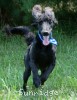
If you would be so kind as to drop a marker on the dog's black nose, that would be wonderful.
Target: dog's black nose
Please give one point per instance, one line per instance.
(45, 33)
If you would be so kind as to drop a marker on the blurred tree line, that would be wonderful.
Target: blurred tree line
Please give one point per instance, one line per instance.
(18, 12)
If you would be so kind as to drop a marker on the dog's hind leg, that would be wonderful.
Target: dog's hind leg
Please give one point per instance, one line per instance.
(36, 78)
(26, 75)
(27, 72)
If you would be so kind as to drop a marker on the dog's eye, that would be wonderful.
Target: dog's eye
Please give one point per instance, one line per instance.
(40, 22)
(48, 15)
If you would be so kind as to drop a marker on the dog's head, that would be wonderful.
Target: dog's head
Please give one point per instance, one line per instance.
(45, 20)
(37, 12)
(45, 31)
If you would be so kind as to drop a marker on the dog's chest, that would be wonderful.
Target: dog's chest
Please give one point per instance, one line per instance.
(43, 56)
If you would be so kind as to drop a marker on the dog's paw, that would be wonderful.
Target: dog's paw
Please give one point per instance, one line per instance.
(37, 82)
(22, 91)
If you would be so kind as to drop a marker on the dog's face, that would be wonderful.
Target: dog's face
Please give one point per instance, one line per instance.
(37, 12)
(45, 28)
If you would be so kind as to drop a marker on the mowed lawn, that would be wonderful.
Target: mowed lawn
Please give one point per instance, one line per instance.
(61, 84)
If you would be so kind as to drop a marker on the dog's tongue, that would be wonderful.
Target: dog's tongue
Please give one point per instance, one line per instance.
(45, 40)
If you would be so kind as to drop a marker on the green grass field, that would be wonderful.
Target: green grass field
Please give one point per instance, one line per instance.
(61, 84)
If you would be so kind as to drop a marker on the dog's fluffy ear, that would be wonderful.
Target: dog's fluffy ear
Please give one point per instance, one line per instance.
(48, 8)
(37, 8)
(37, 12)
(49, 14)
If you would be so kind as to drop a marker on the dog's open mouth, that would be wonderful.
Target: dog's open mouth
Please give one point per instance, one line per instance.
(46, 40)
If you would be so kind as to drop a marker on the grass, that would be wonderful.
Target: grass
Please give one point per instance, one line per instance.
(61, 84)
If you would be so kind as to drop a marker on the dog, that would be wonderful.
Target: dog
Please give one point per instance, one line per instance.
(40, 55)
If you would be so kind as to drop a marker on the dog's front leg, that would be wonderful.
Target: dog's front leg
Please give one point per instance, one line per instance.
(47, 72)
(36, 78)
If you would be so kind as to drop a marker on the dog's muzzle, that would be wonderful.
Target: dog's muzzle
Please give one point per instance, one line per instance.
(45, 38)
(45, 33)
